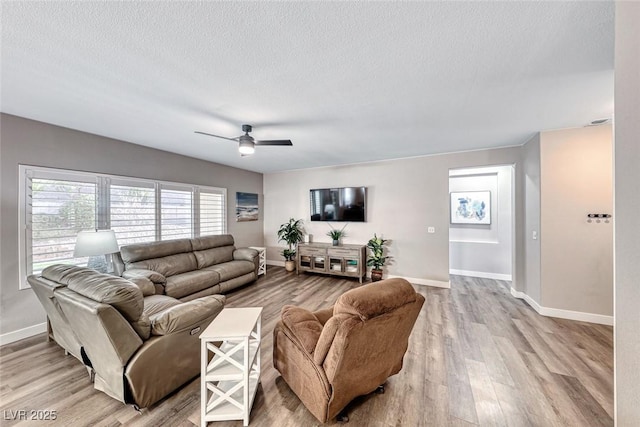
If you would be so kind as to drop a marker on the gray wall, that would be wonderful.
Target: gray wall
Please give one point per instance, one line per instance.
(627, 222)
(531, 181)
(576, 256)
(404, 198)
(484, 250)
(34, 143)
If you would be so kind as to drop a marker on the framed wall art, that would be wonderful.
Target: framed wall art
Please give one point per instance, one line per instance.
(247, 208)
(470, 207)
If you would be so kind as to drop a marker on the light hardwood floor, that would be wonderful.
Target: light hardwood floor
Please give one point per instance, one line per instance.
(477, 356)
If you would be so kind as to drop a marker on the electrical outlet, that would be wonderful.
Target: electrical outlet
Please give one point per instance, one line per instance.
(431, 230)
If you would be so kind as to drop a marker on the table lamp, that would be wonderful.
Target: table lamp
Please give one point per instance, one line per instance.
(98, 245)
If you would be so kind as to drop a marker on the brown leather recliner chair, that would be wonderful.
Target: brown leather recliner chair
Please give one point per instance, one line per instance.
(331, 356)
(140, 346)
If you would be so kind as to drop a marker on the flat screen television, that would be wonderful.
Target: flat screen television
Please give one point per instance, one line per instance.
(338, 204)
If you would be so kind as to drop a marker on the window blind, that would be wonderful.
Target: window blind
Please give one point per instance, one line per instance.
(57, 209)
(56, 204)
(132, 213)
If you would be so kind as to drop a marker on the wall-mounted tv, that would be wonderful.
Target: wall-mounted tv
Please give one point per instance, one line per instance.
(338, 204)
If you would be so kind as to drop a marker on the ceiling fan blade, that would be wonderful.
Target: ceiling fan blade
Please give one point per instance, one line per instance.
(216, 136)
(282, 142)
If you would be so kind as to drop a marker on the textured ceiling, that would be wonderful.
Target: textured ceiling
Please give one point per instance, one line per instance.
(347, 82)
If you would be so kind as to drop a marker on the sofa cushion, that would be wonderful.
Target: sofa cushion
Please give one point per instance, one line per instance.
(142, 251)
(208, 242)
(209, 257)
(169, 265)
(232, 269)
(190, 282)
(213, 290)
(123, 295)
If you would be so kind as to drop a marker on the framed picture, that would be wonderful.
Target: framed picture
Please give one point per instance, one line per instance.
(471, 207)
(247, 207)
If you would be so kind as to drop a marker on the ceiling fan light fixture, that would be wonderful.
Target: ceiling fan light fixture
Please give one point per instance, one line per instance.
(246, 146)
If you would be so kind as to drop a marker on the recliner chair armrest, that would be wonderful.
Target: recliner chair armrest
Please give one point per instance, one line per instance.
(304, 325)
(246, 254)
(188, 315)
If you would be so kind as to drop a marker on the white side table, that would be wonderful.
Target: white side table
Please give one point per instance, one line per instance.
(262, 259)
(230, 380)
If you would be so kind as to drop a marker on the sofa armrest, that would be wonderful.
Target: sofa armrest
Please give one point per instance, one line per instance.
(188, 315)
(154, 276)
(146, 286)
(304, 326)
(137, 276)
(245, 254)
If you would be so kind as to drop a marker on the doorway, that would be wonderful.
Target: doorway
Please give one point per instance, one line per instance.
(481, 223)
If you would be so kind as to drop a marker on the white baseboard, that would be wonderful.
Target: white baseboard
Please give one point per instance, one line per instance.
(23, 333)
(417, 281)
(564, 314)
(481, 274)
(425, 282)
(528, 299)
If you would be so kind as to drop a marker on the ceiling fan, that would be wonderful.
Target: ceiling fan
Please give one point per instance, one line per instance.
(247, 143)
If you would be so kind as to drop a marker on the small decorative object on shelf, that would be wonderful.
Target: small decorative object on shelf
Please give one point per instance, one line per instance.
(336, 235)
(292, 233)
(377, 259)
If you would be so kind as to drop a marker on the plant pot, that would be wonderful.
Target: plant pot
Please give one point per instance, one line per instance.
(336, 243)
(289, 265)
(376, 275)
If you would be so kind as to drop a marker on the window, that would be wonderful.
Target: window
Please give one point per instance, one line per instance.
(132, 212)
(177, 214)
(57, 209)
(55, 205)
(212, 209)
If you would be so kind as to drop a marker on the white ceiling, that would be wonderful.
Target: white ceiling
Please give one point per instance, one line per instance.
(347, 82)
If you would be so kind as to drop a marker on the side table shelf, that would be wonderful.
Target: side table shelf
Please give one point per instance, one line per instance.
(229, 381)
(262, 259)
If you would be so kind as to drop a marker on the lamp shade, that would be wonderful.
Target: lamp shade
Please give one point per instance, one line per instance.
(246, 146)
(94, 243)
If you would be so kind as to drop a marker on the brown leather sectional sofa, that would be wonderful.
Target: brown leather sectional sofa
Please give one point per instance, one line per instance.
(191, 268)
(138, 334)
(137, 345)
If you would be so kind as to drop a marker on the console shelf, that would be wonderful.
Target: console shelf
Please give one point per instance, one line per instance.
(343, 260)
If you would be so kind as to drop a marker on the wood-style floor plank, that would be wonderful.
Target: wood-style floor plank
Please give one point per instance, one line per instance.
(477, 357)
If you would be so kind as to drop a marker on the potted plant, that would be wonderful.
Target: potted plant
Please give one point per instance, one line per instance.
(377, 258)
(336, 235)
(290, 232)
